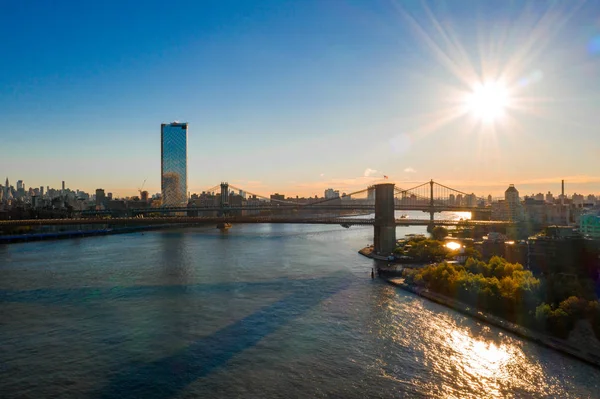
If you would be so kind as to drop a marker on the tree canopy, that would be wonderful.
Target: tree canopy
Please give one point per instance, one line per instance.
(509, 291)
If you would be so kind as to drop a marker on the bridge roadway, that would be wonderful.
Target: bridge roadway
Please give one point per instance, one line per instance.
(240, 220)
(358, 207)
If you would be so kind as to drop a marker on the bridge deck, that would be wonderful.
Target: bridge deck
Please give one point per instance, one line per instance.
(357, 207)
(238, 220)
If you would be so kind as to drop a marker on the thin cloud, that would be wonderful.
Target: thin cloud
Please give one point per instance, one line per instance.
(410, 170)
(370, 172)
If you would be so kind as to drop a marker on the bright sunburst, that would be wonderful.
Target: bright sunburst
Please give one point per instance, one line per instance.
(494, 72)
(488, 101)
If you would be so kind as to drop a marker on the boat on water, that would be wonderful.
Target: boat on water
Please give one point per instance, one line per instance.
(224, 226)
(346, 225)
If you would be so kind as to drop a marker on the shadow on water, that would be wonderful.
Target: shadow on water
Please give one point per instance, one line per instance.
(81, 296)
(168, 376)
(175, 259)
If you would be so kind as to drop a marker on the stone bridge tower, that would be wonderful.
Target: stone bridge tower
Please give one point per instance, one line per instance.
(385, 220)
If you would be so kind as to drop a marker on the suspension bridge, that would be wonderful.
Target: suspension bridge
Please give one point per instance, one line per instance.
(431, 197)
(383, 199)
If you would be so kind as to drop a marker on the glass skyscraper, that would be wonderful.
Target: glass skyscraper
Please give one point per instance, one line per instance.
(173, 156)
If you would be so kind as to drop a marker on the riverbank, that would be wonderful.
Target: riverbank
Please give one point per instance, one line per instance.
(581, 353)
(61, 235)
(385, 267)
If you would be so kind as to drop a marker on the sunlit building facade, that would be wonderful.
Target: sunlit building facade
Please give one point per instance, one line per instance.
(173, 150)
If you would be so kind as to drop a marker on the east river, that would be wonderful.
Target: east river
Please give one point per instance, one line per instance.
(262, 311)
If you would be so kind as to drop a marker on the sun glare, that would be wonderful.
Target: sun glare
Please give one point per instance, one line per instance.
(453, 245)
(487, 101)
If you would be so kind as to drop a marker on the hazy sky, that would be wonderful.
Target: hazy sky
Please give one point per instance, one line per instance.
(298, 96)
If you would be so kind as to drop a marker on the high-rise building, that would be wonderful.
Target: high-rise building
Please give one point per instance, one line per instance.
(173, 150)
(100, 197)
(513, 203)
(20, 189)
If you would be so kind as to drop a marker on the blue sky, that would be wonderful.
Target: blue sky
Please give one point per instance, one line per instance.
(298, 96)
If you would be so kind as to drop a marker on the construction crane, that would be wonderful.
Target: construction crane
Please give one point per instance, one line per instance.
(142, 188)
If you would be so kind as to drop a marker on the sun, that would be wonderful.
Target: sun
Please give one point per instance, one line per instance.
(487, 101)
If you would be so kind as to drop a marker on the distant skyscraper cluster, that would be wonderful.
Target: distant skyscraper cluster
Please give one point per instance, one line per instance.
(330, 193)
(173, 145)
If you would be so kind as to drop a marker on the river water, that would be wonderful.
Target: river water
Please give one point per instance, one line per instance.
(276, 311)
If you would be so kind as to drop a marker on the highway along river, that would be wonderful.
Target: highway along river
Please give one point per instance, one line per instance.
(277, 311)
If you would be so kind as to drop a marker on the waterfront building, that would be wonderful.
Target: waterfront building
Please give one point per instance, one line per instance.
(173, 149)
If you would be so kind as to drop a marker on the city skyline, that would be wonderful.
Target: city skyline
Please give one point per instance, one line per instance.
(342, 95)
(329, 193)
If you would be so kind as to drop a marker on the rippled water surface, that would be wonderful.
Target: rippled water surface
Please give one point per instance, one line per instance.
(273, 311)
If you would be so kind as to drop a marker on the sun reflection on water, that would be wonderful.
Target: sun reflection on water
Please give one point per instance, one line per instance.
(465, 358)
(479, 358)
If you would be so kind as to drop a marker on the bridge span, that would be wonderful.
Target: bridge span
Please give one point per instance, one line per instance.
(242, 220)
(279, 207)
(430, 197)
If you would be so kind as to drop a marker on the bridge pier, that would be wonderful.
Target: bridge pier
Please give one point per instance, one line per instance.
(384, 232)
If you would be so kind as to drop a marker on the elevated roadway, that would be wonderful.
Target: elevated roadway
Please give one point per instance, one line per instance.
(148, 221)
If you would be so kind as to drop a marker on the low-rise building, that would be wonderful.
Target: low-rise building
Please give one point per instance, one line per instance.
(589, 225)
